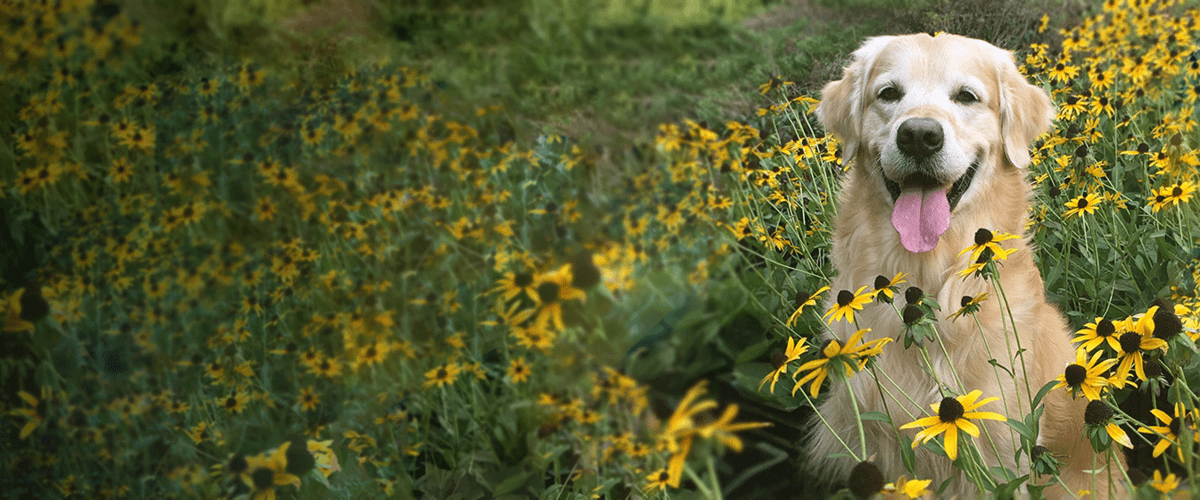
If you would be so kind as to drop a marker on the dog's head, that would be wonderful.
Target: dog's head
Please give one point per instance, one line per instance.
(929, 116)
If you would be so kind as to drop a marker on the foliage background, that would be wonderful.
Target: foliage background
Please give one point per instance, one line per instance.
(235, 225)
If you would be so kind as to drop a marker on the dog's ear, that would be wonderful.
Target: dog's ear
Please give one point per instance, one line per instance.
(1025, 112)
(842, 101)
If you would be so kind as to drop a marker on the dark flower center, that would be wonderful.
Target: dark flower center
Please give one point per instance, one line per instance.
(778, 360)
(882, 282)
(1082, 203)
(1174, 426)
(1166, 323)
(237, 464)
(950, 410)
(1176, 191)
(1130, 342)
(844, 298)
(548, 291)
(865, 480)
(966, 301)
(802, 297)
(262, 478)
(913, 295)
(912, 314)
(231, 402)
(523, 280)
(299, 459)
(983, 236)
(664, 476)
(1105, 328)
(442, 374)
(825, 346)
(371, 352)
(1097, 413)
(1075, 374)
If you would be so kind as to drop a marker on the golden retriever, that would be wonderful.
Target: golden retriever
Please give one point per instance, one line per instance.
(937, 130)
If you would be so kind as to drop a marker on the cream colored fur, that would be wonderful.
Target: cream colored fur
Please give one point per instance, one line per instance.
(999, 128)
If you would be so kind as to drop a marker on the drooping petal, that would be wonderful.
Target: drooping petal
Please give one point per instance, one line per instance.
(1118, 435)
(968, 427)
(951, 440)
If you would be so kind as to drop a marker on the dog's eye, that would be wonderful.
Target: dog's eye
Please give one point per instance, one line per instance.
(889, 94)
(965, 97)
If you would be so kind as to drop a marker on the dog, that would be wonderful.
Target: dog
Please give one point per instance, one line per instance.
(937, 131)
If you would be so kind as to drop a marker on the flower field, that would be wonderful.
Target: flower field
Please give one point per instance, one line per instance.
(244, 281)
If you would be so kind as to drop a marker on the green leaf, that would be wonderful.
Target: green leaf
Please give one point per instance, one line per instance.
(1042, 393)
(753, 352)
(511, 484)
(877, 416)
(1021, 428)
(1009, 489)
(908, 455)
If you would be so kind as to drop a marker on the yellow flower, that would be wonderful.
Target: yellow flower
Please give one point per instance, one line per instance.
(1085, 375)
(886, 287)
(846, 304)
(1136, 337)
(910, 489)
(1097, 332)
(1082, 205)
(851, 356)
(1170, 430)
(804, 300)
(987, 240)
(36, 411)
(723, 429)
(518, 371)
(1164, 484)
(793, 352)
(953, 414)
(969, 305)
(441, 375)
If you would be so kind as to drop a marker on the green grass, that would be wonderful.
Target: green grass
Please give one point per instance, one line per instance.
(352, 244)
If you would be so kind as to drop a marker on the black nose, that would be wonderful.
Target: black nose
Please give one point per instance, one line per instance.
(919, 137)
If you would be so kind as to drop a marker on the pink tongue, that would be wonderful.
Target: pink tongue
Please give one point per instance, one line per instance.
(921, 216)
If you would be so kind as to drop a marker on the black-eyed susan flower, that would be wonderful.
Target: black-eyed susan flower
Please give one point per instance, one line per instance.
(518, 370)
(514, 284)
(235, 402)
(912, 489)
(865, 481)
(846, 303)
(35, 411)
(1172, 429)
(16, 319)
(969, 305)
(773, 84)
(723, 429)
(953, 414)
(265, 472)
(659, 480)
(780, 361)
(1164, 485)
(885, 289)
(1086, 376)
(1136, 336)
(552, 290)
(308, 399)
(442, 375)
(1098, 332)
(987, 240)
(1082, 205)
(851, 357)
(1103, 427)
(1181, 192)
(803, 300)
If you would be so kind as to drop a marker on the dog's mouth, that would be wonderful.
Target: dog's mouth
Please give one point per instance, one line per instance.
(921, 207)
(925, 181)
